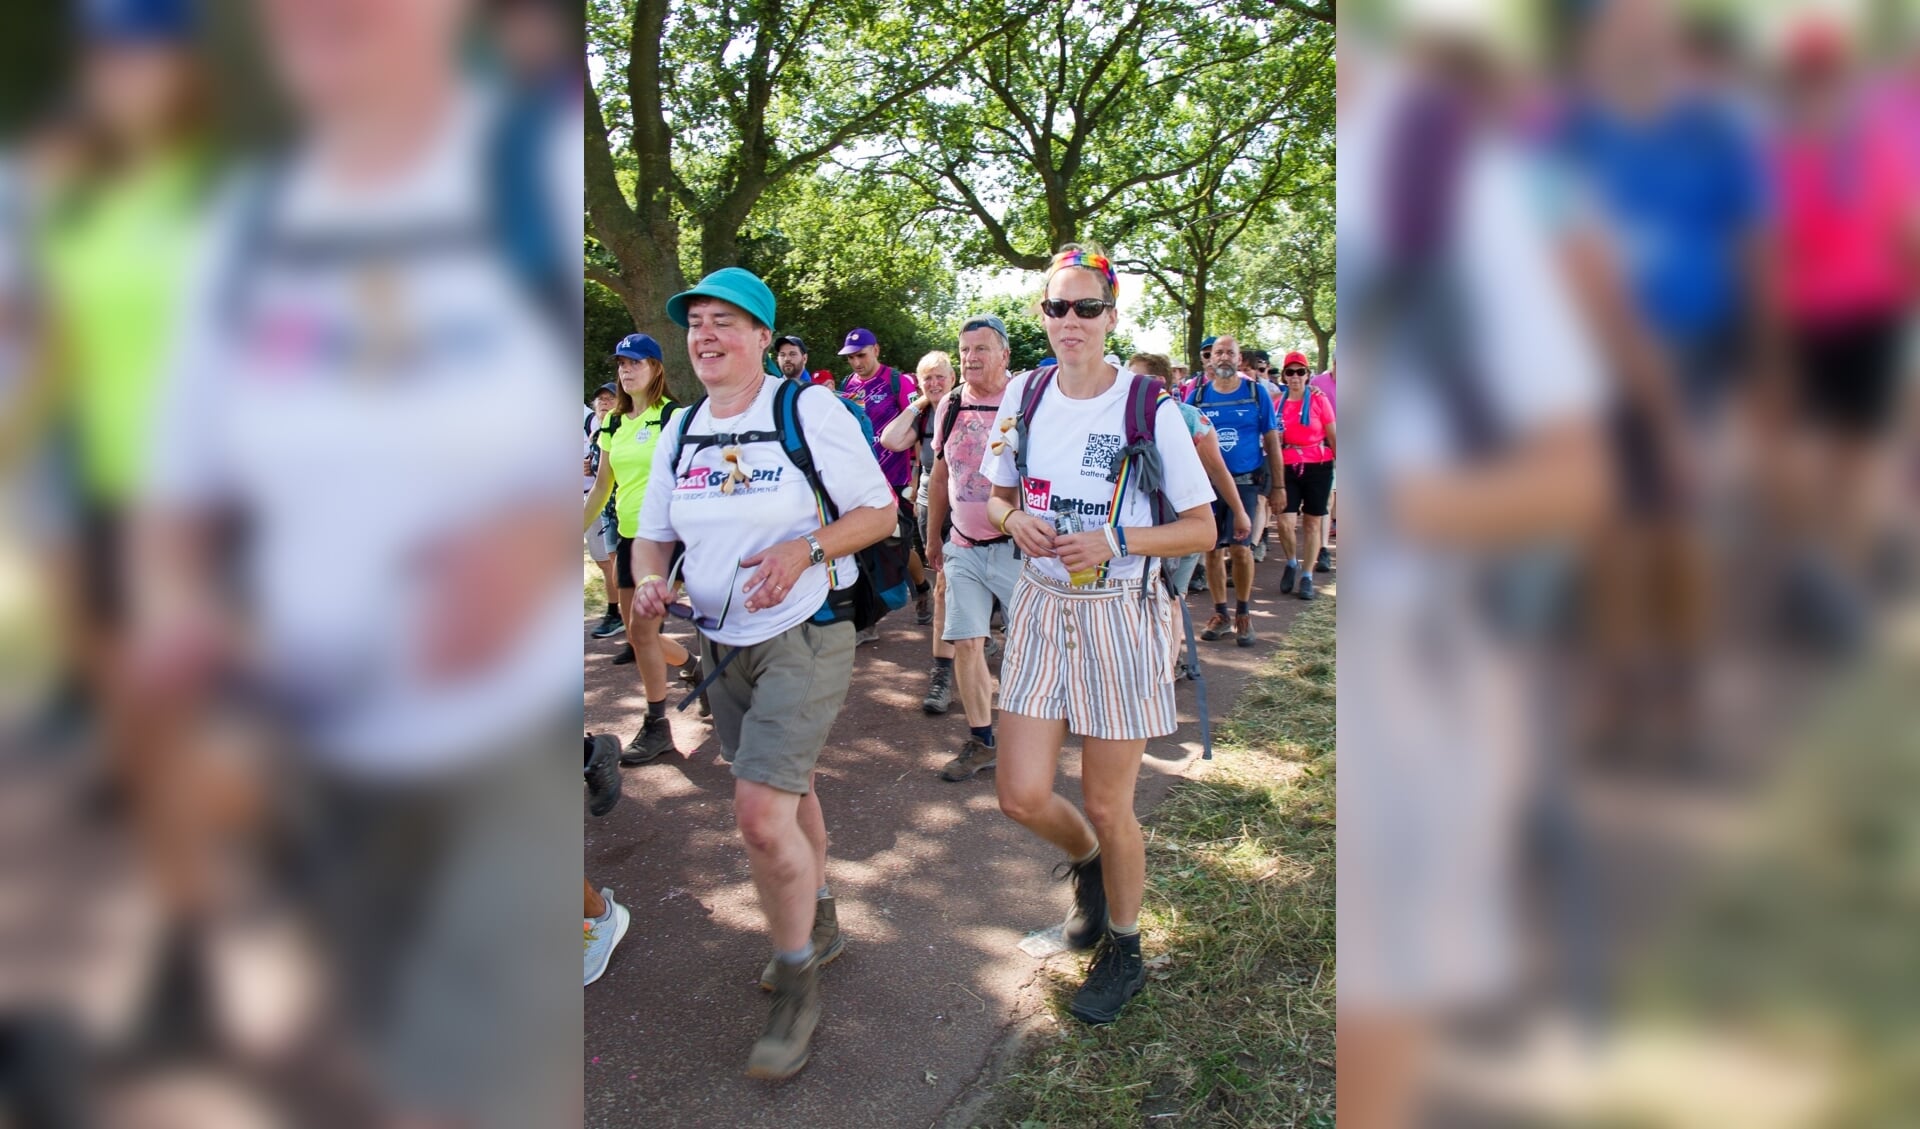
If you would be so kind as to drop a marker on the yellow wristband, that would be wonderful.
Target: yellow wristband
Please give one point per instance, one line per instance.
(649, 577)
(1004, 519)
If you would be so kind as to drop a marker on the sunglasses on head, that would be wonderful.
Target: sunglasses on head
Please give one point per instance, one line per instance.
(1085, 308)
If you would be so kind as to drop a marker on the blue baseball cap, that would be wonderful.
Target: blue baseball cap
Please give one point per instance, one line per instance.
(737, 285)
(858, 340)
(1207, 343)
(138, 21)
(639, 347)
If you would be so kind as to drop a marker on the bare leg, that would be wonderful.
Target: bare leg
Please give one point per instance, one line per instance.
(1216, 566)
(974, 679)
(1029, 755)
(813, 824)
(596, 905)
(1377, 1064)
(1287, 541)
(1108, 770)
(781, 859)
(1309, 540)
(1242, 572)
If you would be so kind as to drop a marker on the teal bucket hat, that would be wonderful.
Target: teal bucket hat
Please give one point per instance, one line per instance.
(729, 284)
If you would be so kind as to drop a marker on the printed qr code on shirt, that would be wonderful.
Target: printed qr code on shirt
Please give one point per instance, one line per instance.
(1100, 452)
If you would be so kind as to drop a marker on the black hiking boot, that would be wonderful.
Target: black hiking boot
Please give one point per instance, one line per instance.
(1116, 976)
(1087, 920)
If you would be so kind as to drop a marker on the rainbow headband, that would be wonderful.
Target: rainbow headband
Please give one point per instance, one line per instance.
(1080, 258)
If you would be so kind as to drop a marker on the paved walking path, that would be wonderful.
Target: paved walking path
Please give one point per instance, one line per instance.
(936, 890)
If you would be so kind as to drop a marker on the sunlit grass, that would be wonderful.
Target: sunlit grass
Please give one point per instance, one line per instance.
(1236, 1026)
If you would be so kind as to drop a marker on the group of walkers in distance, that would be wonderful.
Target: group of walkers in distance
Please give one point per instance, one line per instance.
(1071, 505)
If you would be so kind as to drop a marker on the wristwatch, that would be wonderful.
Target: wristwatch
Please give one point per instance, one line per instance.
(815, 554)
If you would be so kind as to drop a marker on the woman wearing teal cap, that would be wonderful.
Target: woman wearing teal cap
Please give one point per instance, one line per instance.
(768, 565)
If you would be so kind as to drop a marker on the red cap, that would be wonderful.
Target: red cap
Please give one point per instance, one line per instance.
(1297, 359)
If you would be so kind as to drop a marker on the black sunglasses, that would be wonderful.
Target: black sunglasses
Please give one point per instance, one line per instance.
(1294, 371)
(1086, 308)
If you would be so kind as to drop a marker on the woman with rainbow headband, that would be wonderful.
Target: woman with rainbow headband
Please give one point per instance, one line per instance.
(1090, 636)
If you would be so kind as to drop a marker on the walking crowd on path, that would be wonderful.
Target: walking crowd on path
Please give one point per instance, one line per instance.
(1068, 508)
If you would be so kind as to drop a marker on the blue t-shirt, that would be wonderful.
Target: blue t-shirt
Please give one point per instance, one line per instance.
(1242, 417)
(1676, 193)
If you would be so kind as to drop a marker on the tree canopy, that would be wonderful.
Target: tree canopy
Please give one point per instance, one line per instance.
(860, 154)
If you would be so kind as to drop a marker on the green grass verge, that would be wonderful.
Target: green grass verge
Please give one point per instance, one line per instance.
(1236, 1026)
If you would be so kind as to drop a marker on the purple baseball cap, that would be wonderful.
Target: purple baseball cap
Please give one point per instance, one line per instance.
(858, 340)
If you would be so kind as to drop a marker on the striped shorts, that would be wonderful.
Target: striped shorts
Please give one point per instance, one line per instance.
(1101, 658)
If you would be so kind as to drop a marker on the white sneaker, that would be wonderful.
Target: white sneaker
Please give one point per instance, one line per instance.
(870, 635)
(604, 934)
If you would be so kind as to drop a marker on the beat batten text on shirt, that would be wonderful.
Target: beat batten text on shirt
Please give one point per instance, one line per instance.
(702, 478)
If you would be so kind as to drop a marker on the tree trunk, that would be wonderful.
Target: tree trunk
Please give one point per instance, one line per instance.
(1197, 321)
(1322, 347)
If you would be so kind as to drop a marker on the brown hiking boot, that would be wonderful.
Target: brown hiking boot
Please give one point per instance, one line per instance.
(1243, 627)
(827, 941)
(973, 757)
(1218, 627)
(785, 1044)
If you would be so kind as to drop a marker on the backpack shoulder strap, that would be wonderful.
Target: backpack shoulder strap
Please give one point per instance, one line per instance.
(680, 441)
(259, 196)
(1029, 400)
(793, 440)
(519, 210)
(949, 415)
(1143, 410)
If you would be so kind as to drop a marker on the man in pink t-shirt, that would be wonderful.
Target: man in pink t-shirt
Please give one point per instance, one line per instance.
(977, 559)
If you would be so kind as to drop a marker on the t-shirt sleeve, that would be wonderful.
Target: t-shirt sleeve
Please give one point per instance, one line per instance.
(1000, 468)
(656, 507)
(844, 459)
(1186, 479)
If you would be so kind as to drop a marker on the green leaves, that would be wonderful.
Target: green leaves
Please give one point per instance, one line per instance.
(779, 134)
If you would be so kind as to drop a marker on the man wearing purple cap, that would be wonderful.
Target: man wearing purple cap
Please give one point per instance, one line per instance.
(884, 392)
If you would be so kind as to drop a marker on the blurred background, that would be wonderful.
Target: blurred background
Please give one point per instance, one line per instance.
(1628, 739)
(289, 320)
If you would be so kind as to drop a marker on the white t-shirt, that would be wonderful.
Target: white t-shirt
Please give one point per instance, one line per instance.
(720, 528)
(1070, 448)
(304, 410)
